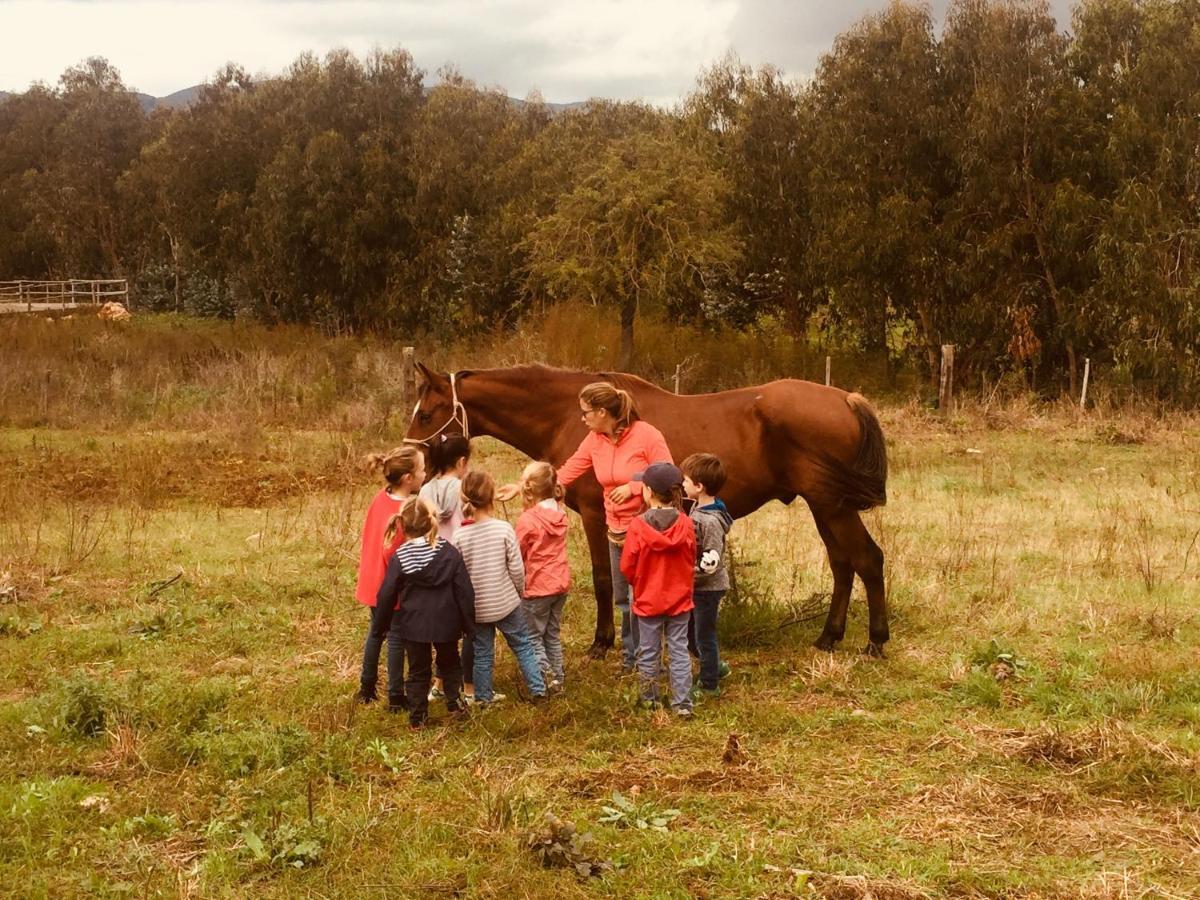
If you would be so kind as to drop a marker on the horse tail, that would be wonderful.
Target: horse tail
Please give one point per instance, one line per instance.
(868, 486)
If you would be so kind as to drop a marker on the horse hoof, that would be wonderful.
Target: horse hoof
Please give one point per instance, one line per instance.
(874, 650)
(599, 650)
(826, 643)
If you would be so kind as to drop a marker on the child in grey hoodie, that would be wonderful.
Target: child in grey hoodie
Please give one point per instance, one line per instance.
(703, 478)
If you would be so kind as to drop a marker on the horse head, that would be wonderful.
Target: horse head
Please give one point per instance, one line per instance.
(438, 410)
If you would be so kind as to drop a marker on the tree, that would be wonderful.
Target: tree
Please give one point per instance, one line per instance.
(1015, 117)
(878, 176)
(645, 225)
(753, 124)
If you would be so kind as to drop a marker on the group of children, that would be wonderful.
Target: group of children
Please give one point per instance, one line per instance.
(438, 567)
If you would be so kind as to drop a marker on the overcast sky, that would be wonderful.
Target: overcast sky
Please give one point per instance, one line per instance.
(621, 49)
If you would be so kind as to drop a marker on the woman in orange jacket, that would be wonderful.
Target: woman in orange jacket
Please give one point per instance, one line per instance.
(618, 446)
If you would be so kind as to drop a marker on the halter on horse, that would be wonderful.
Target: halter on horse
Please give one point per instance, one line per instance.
(458, 415)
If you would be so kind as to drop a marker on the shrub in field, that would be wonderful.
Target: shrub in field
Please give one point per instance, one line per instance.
(85, 707)
(148, 826)
(237, 752)
(186, 708)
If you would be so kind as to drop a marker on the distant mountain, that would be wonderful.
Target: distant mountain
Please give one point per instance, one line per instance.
(188, 96)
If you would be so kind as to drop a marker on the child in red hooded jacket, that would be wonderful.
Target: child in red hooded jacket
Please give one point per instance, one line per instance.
(659, 560)
(542, 537)
(403, 470)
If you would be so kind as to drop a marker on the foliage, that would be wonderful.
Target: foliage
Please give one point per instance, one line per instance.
(560, 845)
(621, 812)
(1023, 192)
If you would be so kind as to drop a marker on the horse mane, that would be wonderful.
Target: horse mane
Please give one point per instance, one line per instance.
(619, 379)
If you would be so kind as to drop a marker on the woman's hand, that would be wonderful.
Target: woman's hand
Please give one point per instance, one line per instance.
(507, 492)
(620, 493)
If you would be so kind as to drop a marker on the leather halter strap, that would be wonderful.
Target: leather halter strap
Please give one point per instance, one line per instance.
(458, 415)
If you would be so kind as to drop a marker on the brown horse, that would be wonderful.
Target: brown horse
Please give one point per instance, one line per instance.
(778, 441)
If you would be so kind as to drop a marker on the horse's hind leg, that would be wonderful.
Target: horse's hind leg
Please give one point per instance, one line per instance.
(867, 559)
(843, 582)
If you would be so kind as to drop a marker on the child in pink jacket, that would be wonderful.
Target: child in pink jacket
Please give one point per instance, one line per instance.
(542, 537)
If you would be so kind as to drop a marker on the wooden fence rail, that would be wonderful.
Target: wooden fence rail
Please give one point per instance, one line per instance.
(41, 295)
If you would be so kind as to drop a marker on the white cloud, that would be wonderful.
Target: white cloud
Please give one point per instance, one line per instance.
(616, 48)
(570, 50)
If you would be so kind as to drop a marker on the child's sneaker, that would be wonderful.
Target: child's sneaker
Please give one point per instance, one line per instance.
(554, 686)
(723, 670)
(683, 712)
(435, 693)
(365, 696)
(699, 693)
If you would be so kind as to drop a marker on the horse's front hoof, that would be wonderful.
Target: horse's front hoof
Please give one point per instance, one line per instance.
(874, 650)
(599, 649)
(826, 643)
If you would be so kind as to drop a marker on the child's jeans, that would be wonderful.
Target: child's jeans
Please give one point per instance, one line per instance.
(622, 598)
(702, 637)
(543, 615)
(420, 677)
(381, 626)
(513, 628)
(651, 630)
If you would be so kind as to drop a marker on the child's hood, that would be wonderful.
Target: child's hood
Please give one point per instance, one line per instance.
(552, 521)
(717, 512)
(668, 528)
(444, 492)
(422, 564)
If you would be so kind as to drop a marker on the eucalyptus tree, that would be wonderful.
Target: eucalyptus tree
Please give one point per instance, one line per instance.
(877, 178)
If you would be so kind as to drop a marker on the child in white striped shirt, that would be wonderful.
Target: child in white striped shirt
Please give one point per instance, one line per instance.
(489, 548)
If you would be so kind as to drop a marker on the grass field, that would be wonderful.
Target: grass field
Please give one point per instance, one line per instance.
(179, 647)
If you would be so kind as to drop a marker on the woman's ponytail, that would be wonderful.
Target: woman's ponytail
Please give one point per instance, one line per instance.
(617, 402)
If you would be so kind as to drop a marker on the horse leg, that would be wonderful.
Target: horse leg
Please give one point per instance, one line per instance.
(867, 559)
(843, 582)
(597, 537)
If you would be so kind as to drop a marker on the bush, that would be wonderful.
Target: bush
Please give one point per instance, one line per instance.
(235, 754)
(86, 706)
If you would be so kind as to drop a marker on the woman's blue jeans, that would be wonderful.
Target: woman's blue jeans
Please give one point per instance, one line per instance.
(516, 634)
(622, 598)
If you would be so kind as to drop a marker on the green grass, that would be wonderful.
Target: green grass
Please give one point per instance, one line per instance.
(1033, 732)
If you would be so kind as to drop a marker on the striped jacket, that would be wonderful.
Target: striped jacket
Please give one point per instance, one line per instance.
(493, 558)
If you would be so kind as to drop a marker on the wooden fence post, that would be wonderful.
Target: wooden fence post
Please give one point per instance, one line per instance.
(678, 371)
(1087, 370)
(946, 381)
(408, 381)
(828, 369)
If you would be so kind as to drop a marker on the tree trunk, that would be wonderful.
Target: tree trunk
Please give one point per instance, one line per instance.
(628, 313)
(1052, 286)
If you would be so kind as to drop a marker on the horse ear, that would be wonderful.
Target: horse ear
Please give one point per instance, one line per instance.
(425, 373)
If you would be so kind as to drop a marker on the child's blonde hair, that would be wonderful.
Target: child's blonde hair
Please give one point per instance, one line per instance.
(417, 518)
(478, 492)
(539, 481)
(396, 463)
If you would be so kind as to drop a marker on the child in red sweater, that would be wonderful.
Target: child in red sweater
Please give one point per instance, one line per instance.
(659, 560)
(542, 537)
(403, 471)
